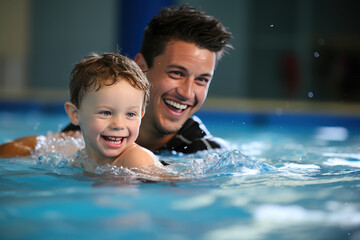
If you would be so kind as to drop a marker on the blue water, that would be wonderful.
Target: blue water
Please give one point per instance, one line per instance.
(287, 177)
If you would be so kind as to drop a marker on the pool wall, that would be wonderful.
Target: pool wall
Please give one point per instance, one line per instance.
(254, 112)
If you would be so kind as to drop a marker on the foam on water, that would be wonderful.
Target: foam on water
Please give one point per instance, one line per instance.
(196, 165)
(66, 145)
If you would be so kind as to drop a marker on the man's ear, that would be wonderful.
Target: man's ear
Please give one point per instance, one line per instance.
(140, 61)
(72, 113)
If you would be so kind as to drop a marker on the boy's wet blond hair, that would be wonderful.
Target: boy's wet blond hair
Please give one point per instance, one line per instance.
(95, 71)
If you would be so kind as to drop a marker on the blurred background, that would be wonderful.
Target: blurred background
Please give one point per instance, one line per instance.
(288, 54)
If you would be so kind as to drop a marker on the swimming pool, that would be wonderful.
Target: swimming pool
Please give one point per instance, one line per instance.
(288, 177)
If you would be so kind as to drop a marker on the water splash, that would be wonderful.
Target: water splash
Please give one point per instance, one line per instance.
(227, 163)
(55, 160)
(56, 163)
(200, 165)
(63, 144)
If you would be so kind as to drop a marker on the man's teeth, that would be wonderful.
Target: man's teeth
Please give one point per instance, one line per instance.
(176, 105)
(114, 140)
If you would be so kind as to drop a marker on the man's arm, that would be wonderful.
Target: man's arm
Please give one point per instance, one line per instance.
(25, 146)
(20, 147)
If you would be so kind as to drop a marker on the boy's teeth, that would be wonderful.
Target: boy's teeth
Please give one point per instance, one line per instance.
(115, 140)
(176, 105)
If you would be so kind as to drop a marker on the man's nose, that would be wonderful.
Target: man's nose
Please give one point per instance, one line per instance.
(186, 88)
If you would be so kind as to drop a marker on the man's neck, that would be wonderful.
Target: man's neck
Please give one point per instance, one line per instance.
(152, 139)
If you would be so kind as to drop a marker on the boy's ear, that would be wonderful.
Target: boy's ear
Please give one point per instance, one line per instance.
(140, 61)
(142, 113)
(72, 113)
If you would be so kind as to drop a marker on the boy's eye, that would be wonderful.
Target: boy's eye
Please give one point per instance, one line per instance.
(131, 114)
(106, 113)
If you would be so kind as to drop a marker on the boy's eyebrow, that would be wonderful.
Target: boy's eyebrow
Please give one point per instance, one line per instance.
(131, 108)
(184, 69)
(135, 107)
(102, 106)
(109, 106)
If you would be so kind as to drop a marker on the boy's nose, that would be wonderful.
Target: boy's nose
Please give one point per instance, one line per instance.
(118, 123)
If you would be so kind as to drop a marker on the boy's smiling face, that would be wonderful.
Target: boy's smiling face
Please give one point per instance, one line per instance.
(110, 119)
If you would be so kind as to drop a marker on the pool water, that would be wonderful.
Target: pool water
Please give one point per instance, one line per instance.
(286, 177)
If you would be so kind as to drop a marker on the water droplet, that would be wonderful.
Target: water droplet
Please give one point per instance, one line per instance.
(310, 94)
(279, 111)
(36, 126)
(316, 54)
(271, 25)
(321, 41)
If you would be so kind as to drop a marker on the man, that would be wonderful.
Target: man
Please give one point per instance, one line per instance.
(180, 50)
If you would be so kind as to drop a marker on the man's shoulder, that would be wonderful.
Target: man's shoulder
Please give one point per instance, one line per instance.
(193, 137)
(194, 128)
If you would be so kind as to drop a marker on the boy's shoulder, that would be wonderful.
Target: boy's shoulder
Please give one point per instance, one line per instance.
(136, 156)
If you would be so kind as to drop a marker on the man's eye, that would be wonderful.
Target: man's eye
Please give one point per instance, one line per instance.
(202, 81)
(175, 74)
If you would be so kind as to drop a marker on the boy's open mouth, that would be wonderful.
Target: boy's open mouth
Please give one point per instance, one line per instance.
(113, 140)
(175, 106)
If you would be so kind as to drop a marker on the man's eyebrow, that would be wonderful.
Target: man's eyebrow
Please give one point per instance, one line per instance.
(185, 69)
(206, 75)
(177, 66)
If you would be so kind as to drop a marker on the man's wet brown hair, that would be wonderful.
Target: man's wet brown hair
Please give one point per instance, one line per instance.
(95, 71)
(187, 24)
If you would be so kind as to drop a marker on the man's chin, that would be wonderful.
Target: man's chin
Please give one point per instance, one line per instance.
(167, 130)
(170, 127)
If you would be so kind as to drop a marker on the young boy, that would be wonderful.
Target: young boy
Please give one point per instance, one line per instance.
(108, 96)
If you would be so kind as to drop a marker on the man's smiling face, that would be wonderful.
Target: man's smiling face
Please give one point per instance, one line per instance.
(180, 79)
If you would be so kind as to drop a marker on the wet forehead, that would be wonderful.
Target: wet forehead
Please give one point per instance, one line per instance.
(188, 56)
